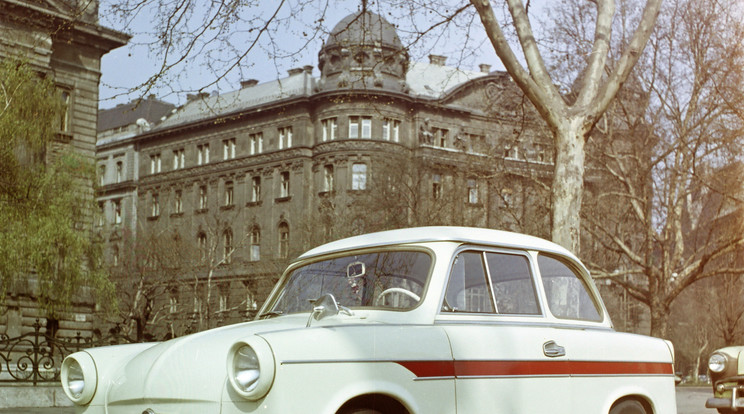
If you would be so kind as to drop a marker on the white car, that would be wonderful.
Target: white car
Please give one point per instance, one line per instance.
(435, 320)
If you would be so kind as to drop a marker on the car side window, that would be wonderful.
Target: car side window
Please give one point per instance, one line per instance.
(512, 283)
(567, 293)
(467, 290)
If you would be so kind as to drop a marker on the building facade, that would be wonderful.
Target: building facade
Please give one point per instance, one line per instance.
(230, 187)
(63, 41)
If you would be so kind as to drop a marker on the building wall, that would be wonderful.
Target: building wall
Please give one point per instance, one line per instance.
(66, 44)
(473, 145)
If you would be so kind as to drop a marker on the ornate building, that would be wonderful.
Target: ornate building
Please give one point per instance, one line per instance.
(230, 187)
(62, 40)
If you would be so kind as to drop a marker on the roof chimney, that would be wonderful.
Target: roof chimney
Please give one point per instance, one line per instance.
(437, 60)
(248, 83)
(295, 71)
(485, 67)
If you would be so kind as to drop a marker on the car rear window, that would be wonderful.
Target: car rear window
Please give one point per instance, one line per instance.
(568, 295)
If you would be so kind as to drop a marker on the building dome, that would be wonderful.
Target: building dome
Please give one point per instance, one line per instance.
(364, 27)
(363, 51)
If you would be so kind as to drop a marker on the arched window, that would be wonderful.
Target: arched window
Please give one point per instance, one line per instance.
(283, 240)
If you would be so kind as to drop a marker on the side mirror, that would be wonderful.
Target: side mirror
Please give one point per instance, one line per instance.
(326, 306)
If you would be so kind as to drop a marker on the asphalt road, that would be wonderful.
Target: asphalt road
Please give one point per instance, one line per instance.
(690, 400)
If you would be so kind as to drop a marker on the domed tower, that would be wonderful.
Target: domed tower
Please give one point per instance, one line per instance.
(363, 51)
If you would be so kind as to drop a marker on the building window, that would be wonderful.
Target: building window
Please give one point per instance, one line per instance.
(330, 128)
(202, 154)
(228, 149)
(255, 189)
(255, 253)
(441, 136)
(179, 159)
(115, 255)
(472, 191)
(285, 137)
(359, 177)
(256, 142)
(366, 127)
(223, 298)
(227, 243)
(64, 121)
(101, 175)
(541, 153)
(284, 184)
(283, 240)
(391, 130)
(328, 178)
(155, 204)
(203, 197)
(197, 304)
(155, 166)
(173, 302)
(436, 186)
(250, 301)
(178, 202)
(353, 127)
(355, 131)
(201, 241)
(229, 193)
(119, 172)
(117, 212)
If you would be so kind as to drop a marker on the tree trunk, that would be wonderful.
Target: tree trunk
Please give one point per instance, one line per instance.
(659, 318)
(568, 184)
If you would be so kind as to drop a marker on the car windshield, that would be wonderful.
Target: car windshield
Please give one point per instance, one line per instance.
(389, 279)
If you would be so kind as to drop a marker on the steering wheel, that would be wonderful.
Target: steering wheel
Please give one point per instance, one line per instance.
(396, 290)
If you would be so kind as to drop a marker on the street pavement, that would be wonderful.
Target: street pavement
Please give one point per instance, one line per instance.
(690, 400)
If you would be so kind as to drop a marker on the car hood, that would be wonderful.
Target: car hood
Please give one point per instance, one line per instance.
(192, 367)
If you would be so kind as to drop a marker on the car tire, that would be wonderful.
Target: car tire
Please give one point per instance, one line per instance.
(628, 407)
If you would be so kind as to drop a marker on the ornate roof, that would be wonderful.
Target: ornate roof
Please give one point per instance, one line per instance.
(364, 28)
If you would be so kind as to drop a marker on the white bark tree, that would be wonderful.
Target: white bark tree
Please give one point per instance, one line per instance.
(570, 122)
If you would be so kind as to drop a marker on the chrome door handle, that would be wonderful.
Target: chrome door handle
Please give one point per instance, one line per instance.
(553, 350)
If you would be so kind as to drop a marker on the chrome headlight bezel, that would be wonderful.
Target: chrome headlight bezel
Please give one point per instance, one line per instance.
(717, 362)
(252, 354)
(76, 368)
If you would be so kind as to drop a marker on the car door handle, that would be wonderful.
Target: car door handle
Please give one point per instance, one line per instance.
(553, 350)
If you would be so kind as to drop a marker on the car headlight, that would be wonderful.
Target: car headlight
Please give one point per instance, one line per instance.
(250, 368)
(79, 377)
(717, 362)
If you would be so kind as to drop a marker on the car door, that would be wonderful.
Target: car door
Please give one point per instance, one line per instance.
(506, 357)
(604, 364)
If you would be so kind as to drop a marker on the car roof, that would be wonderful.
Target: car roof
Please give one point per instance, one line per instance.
(468, 235)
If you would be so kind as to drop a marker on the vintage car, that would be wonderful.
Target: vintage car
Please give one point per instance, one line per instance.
(726, 368)
(435, 320)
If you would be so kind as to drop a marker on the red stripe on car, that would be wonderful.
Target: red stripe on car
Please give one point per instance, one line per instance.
(462, 369)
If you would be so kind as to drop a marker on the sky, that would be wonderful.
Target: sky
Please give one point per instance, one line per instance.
(125, 68)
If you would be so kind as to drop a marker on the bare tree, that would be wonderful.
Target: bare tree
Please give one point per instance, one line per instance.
(570, 121)
(669, 209)
(145, 272)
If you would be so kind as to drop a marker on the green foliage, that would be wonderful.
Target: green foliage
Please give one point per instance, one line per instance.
(46, 199)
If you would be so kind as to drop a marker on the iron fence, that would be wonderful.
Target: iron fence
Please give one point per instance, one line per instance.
(35, 357)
